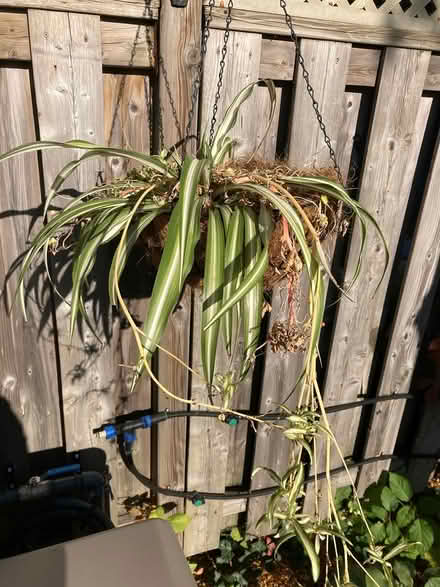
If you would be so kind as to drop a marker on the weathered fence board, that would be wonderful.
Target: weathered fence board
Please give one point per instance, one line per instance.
(67, 70)
(330, 24)
(131, 9)
(410, 322)
(242, 67)
(123, 44)
(127, 106)
(28, 363)
(180, 34)
(207, 455)
(384, 192)
(328, 69)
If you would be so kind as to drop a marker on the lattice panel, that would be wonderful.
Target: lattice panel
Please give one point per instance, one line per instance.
(411, 8)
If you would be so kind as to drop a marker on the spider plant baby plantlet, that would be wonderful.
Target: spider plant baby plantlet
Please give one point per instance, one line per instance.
(225, 217)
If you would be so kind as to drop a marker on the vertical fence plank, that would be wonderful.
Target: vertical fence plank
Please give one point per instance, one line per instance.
(174, 376)
(207, 456)
(328, 64)
(238, 434)
(127, 103)
(409, 325)
(66, 58)
(28, 366)
(180, 32)
(242, 67)
(180, 53)
(385, 186)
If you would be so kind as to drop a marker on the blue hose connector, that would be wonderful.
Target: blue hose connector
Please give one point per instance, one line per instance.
(147, 421)
(110, 431)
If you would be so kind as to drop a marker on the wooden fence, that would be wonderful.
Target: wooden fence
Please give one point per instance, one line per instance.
(93, 73)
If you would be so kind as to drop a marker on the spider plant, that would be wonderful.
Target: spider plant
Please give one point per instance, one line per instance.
(236, 205)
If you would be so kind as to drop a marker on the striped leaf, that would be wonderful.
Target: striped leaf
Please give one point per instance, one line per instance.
(229, 120)
(212, 292)
(167, 289)
(252, 302)
(188, 198)
(153, 162)
(234, 227)
(123, 251)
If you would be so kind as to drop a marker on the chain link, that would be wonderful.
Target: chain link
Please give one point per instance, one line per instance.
(198, 79)
(310, 91)
(172, 104)
(221, 71)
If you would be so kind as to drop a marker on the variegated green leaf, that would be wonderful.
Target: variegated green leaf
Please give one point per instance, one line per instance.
(212, 292)
(166, 291)
(188, 197)
(123, 251)
(233, 269)
(230, 118)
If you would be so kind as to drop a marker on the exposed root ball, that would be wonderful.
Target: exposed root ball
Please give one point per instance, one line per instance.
(288, 339)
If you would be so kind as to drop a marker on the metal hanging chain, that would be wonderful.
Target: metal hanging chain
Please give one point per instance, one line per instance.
(310, 91)
(221, 71)
(172, 104)
(198, 79)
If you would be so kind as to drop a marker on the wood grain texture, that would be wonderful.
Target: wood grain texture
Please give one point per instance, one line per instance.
(29, 379)
(432, 81)
(409, 326)
(127, 103)
(368, 28)
(124, 8)
(180, 31)
(327, 63)
(207, 455)
(328, 69)
(66, 57)
(385, 185)
(123, 44)
(127, 44)
(281, 373)
(277, 59)
(242, 67)
(14, 36)
(363, 66)
(127, 117)
(171, 436)
(238, 434)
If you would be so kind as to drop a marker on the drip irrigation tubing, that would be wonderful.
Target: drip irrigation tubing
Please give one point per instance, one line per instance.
(124, 431)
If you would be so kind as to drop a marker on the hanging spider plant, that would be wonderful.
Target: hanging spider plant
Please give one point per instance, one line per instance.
(236, 206)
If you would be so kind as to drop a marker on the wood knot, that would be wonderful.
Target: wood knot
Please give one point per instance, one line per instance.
(192, 56)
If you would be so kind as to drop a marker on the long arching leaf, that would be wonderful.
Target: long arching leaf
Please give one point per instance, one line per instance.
(233, 268)
(212, 292)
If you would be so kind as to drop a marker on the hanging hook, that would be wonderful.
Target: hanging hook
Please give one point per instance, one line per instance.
(179, 3)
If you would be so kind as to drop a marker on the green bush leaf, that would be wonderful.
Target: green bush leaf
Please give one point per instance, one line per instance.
(388, 499)
(179, 522)
(433, 582)
(400, 486)
(404, 572)
(379, 532)
(342, 494)
(373, 494)
(420, 531)
(405, 516)
(378, 576)
(376, 512)
(393, 532)
(235, 534)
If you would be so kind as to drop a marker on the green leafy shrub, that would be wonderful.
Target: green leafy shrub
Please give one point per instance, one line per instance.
(405, 529)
